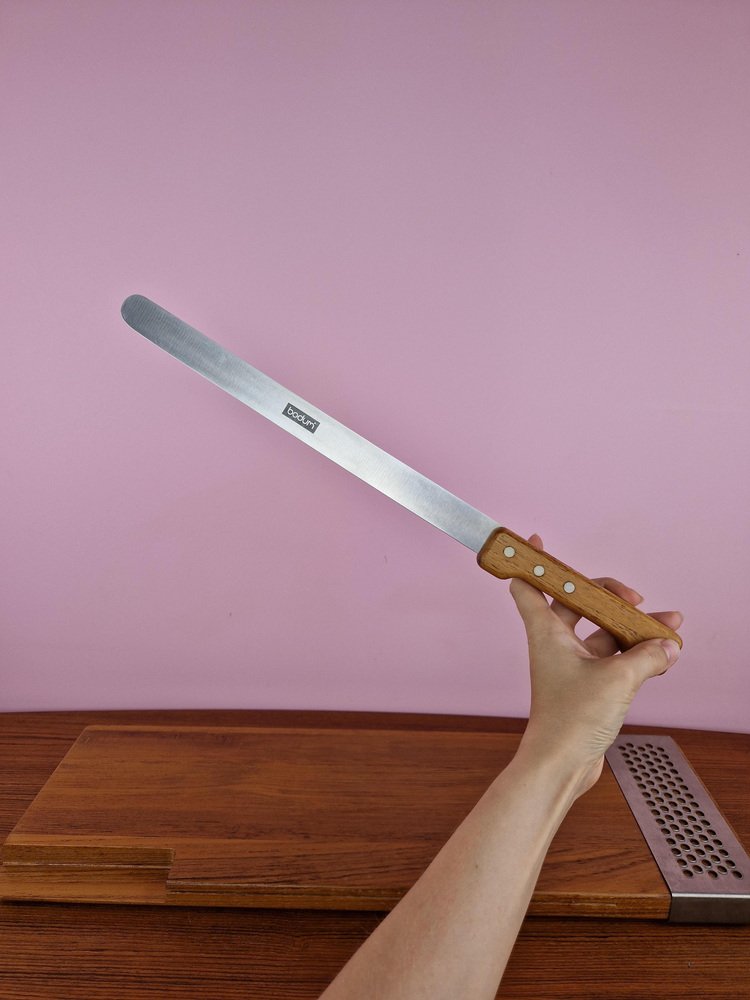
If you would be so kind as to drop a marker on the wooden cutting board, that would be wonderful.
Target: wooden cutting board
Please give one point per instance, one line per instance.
(342, 819)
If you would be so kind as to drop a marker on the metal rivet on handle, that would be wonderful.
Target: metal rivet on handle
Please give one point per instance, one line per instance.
(509, 551)
(539, 571)
(569, 587)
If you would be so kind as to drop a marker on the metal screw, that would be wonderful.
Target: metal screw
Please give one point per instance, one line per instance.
(509, 551)
(569, 587)
(539, 571)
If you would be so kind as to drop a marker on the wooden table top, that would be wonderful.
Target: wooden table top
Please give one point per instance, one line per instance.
(79, 950)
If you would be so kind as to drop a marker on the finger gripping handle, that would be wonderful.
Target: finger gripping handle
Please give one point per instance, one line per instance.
(505, 555)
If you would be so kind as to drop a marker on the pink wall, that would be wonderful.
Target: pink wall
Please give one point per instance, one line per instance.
(505, 239)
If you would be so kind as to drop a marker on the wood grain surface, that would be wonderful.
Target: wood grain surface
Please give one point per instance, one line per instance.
(76, 951)
(344, 819)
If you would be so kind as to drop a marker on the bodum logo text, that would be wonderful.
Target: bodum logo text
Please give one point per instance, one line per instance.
(301, 418)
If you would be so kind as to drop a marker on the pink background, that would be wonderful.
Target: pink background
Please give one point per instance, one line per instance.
(507, 241)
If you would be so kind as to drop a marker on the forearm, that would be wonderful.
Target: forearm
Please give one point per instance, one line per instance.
(452, 933)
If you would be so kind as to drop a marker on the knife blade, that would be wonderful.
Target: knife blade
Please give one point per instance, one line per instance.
(500, 551)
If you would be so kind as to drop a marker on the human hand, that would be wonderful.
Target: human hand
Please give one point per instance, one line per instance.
(581, 689)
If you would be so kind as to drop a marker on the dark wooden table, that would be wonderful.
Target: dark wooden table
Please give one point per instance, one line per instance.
(67, 952)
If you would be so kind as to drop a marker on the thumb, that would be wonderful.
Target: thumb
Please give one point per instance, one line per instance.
(530, 602)
(650, 658)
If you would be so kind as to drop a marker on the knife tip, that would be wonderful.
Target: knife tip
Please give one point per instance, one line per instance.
(131, 304)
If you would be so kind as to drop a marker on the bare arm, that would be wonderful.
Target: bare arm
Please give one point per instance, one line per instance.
(452, 933)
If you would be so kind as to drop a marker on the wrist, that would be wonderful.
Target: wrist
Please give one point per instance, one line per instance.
(561, 776)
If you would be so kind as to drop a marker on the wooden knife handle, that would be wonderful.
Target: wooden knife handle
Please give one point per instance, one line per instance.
(507, 555)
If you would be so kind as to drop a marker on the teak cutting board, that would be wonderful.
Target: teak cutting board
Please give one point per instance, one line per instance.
(310, 818)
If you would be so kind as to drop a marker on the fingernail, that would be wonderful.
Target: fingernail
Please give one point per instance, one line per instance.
(672, 649)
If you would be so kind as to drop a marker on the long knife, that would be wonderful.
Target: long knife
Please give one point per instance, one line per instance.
(500, 551)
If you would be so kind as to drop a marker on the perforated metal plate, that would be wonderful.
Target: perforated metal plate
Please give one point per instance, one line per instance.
(703, 863)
